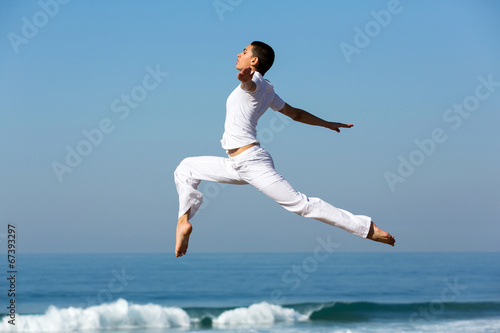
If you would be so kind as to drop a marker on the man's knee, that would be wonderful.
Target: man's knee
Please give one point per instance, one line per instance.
(299, 206)
(184, 165)
(182, 168)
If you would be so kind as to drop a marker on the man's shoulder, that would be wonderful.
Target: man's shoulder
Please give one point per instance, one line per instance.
(263, 83)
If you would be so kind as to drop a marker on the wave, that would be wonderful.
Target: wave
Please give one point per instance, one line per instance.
(125, 315)
(119, 314)
(364, 311)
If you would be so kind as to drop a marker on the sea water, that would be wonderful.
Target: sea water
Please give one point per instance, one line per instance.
(275, 292)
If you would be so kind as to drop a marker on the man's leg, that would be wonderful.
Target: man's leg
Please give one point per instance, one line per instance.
(188, 175)
(259, 172)
(284, 194)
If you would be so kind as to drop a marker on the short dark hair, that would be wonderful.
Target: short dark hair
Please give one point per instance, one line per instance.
(265, 53)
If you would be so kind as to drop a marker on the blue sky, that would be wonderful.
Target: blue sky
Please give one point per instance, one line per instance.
(147, 83)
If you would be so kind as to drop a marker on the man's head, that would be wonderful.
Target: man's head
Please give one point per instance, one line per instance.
(257, 55)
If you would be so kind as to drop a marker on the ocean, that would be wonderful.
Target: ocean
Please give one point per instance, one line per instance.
(323, 291)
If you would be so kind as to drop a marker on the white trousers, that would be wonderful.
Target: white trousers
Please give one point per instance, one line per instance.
(255, 166)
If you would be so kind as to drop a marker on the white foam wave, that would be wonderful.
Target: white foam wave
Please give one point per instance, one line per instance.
(124, 315)
(257, 314)
(119, 314)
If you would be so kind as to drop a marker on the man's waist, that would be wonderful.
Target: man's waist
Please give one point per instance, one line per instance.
(236, 151)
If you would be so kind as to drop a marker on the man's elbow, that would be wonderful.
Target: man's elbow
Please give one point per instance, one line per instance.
(296, 114)
(290, 112)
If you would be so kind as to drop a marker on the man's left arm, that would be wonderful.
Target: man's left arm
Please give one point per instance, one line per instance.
(310, 119)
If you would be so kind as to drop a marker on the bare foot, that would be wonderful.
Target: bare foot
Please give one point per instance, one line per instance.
(379, 235)
(184, 229)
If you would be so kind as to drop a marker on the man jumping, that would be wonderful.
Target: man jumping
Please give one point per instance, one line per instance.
(248, 163)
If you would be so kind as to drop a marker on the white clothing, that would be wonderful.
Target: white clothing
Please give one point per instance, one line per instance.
(243, 110)
(255, 167)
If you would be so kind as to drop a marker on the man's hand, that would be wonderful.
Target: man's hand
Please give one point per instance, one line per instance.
(245, 75)
(336, 126)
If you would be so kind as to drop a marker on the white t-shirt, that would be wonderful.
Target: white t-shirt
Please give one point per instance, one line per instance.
(243, 110)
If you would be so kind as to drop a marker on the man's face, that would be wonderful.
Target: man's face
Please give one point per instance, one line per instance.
(245, 58)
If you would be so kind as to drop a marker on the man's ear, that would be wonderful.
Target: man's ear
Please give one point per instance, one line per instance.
(254, 61)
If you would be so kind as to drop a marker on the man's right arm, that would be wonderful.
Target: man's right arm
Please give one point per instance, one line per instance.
(245, 76)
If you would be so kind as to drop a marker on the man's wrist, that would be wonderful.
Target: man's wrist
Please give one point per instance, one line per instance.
(248, 86)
